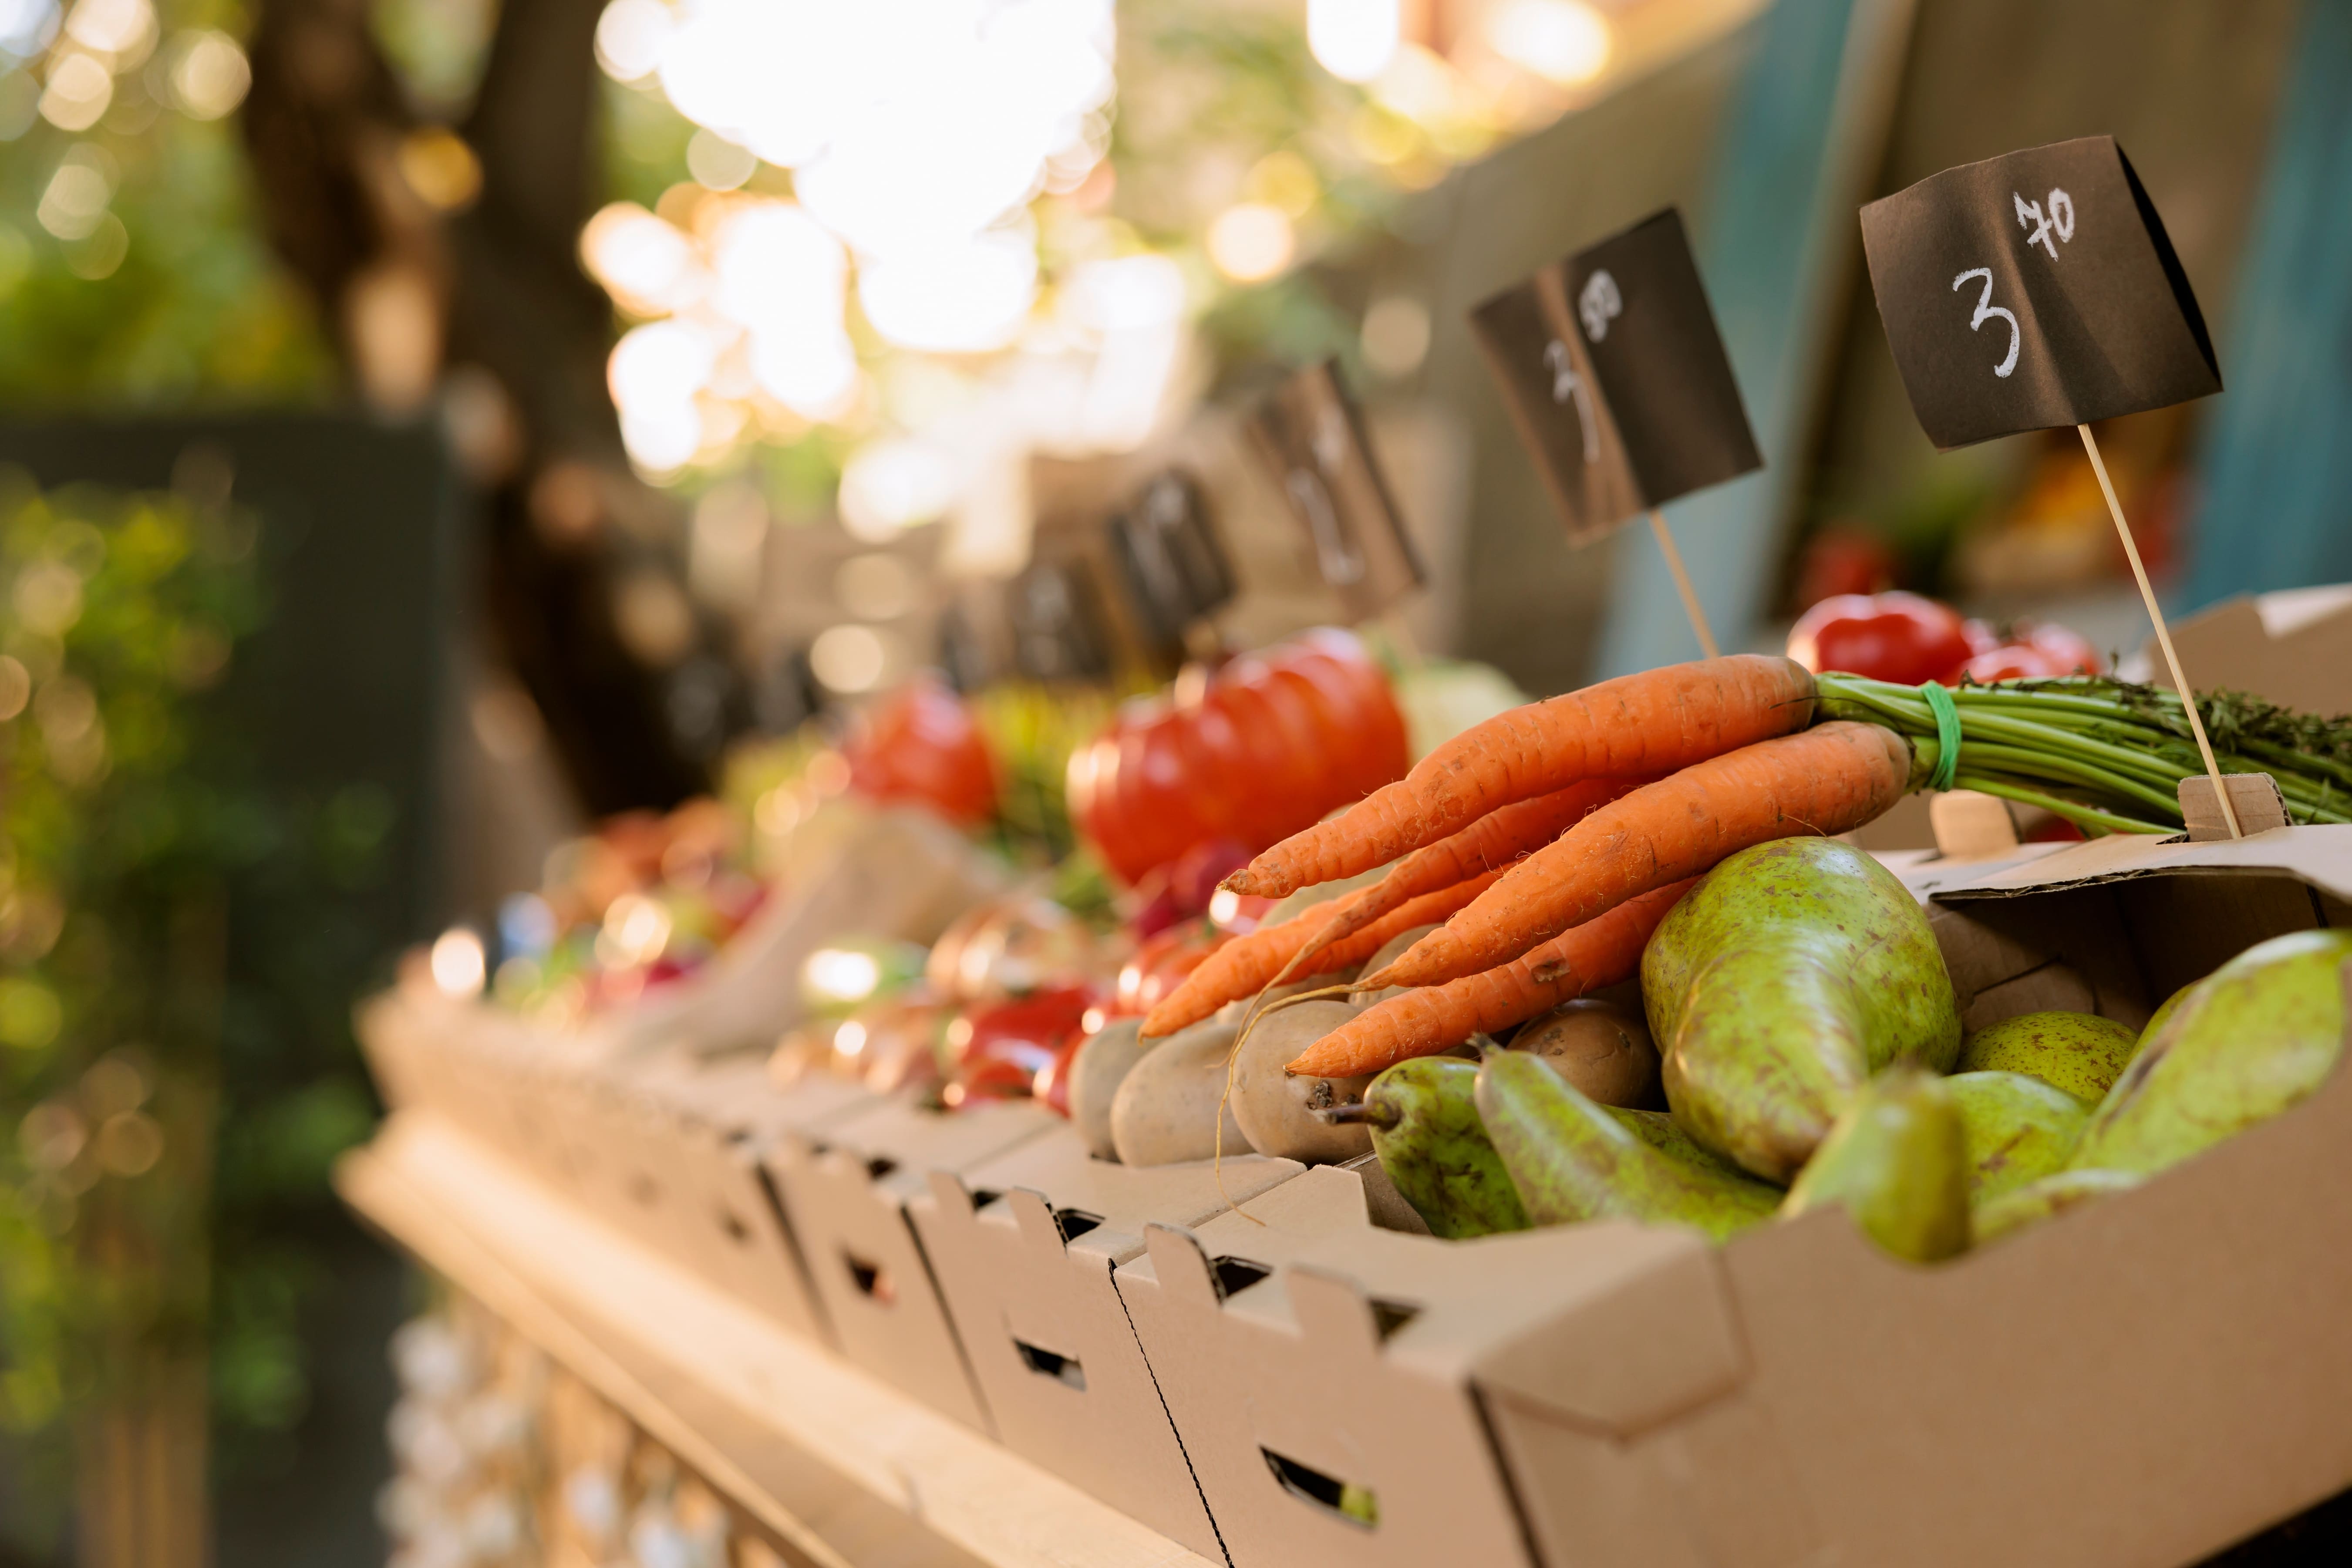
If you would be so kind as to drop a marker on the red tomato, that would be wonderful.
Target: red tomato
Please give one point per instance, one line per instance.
(1007, 1050)
(921, 744)
(1007, 1070)
(1160, 965)
(1193, 876)
(1895, 636)
(2070, 647)
(1041, 1020)
(1273, 742)
(1051, 1087)
(2011, 661)
(2034, 653)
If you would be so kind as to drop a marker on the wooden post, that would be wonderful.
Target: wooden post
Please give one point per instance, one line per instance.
(1683, 584)
(2163, 633)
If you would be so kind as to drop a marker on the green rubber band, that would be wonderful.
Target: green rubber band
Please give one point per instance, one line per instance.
(1948, 733)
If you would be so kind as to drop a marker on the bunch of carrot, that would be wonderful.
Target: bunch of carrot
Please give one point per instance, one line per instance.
(1551, 841)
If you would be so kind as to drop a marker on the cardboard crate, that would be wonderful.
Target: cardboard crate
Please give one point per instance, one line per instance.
(844, 1194)
(1301, 1348)
(394, 1041)
(2138, 1383)
(486, 1071)
(2294, 647)
(1023, 1247)
(698, 1132)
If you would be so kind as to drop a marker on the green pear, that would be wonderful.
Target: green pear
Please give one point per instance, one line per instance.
(2164, 1012)
(1572, 1160)
(1779, 986)
(1661, 1131)
(2052, 1196)
(2254, 1037)
(1424, 1120)
(1897, 1161)
(2017, 1129)
(2081, 1053)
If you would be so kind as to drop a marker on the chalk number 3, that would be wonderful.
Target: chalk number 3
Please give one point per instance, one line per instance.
(1986, 311)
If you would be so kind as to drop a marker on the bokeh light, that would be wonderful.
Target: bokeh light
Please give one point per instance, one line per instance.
(849, 659)
(209, 74)
(1564, 41)
(1354, 39)
(458, 963)
(1251, 241)
(891, 485)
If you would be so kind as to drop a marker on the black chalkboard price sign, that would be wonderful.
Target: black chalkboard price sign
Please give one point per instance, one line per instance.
(1312, 440)
(1169, 556)
(1057, 625)
(1617, 380)
(2035, 290)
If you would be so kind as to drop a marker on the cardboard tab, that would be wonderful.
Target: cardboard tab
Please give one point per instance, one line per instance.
(1616, 378)
(1311, 437)
(2255, 797)
(1662, 1344)
(2032, 290)
(1969, 824)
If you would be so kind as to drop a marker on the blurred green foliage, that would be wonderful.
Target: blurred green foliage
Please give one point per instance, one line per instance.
(168, 293)
(165, 1106)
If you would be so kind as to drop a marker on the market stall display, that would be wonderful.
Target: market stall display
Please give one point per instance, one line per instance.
(1330, 1110)
(1794, 1062)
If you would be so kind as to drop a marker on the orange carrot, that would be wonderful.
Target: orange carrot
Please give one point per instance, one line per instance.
(1828, 779)
(1499, 838)
(1432, 1018)
(1635, 726)
(1203, 993)
(1242, 967)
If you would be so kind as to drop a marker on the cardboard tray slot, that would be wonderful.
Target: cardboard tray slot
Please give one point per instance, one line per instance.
(845, 1193)
(1302, 1349)
(1023, 1247)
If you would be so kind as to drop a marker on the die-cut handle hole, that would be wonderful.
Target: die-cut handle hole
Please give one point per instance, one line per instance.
(1358, 1505)
(872, 1279)
(1236, 1275)
(1048, 1364)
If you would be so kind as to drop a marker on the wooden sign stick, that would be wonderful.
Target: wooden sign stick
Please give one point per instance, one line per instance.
(1683, 585)
(2163, 634)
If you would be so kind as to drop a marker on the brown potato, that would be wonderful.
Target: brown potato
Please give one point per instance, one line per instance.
(1101, 1064)
(1602, 1049)
(1236, 1011)
(1165, 1111)
(1276, 1111)
(1394, 950)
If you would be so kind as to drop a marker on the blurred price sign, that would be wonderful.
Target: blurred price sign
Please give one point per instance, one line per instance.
(2034, 291)
(1057, 623)
(1616, 378)
(1313, 439)
(1169, 557)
